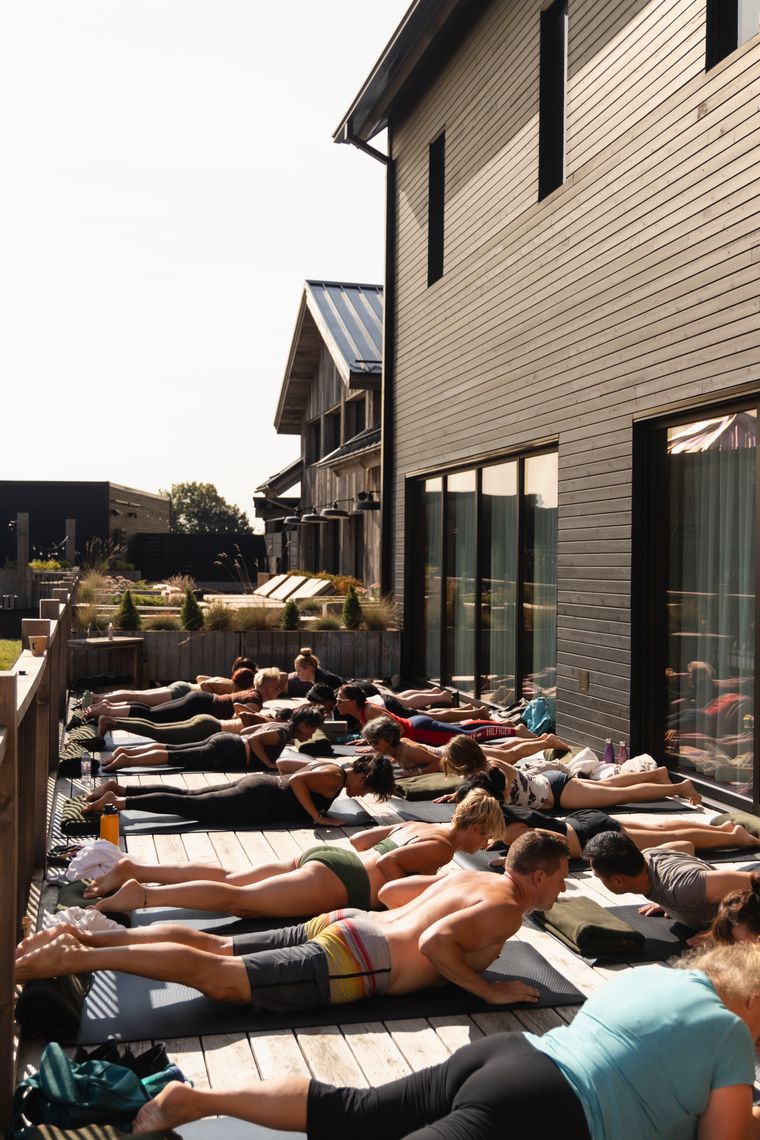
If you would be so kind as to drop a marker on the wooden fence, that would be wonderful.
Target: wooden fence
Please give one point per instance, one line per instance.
(32, 703)
(172, 656)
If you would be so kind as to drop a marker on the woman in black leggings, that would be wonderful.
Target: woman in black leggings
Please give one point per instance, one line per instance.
(261, 797)
(496, 1088)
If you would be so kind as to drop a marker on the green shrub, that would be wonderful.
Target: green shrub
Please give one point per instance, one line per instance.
(256, 617)
(191, 614)
(380, 613)
(352, 610)
(164, 621)
(126, 616)
(290, 617)
(218, 616)
(326, 622)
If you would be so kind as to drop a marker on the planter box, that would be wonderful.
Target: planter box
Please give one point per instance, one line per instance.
(179, 655)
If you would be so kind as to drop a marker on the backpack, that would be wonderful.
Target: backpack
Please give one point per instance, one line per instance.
(69, 1094)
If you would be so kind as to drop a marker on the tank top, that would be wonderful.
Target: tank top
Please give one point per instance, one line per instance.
(322, 803)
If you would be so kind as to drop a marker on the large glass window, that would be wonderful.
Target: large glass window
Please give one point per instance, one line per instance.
(705, 604)
(484, 580)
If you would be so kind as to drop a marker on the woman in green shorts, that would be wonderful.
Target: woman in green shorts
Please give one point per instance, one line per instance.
(323, 878)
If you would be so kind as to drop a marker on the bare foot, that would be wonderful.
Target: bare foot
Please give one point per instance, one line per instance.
(105, 723)
(121, 871)
(100, 802)
(686, 790)
(131, 896)
(106, 786)
(42, 938)
(60, 956)
(172, 1107)
(742, 837)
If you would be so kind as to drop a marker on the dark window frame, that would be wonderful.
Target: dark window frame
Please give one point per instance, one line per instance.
(552, 98)
(721, 30)
(649, 577)
(436, 207)
(414, 576)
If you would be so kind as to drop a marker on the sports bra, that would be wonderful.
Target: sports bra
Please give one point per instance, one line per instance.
(322, 802)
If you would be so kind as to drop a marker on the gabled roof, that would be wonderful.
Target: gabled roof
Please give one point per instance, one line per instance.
(283, 480)
(347, 319)
(424, 41)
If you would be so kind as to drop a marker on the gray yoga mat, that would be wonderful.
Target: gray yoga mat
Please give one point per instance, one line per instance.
(481, 861)
(227, 1128)
(129, 1008)
(424, 810)
(151, 823)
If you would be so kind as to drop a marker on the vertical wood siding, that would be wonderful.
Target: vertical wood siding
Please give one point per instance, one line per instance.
(630, 290)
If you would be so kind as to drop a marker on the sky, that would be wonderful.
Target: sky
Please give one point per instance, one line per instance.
(168, 182)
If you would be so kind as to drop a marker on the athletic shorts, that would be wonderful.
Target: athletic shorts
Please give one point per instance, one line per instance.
(590, 822)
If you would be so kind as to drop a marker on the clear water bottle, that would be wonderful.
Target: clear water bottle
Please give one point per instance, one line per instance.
(622, 752)
(110, 631)
(86, 763)
(609, 751)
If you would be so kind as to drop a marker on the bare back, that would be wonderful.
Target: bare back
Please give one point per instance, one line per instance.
(478, 911)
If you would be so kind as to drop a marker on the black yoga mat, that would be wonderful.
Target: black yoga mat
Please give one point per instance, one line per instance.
(129, 1008)
(481, 861)
(150, 823)
(665, 938)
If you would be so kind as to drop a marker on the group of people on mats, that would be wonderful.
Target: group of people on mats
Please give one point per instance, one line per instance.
(654, 1053)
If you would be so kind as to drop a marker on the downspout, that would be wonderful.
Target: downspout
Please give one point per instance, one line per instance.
(387, 437)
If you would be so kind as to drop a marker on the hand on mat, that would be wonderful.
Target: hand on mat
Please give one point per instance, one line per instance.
(328, 821)
(498, 863)
(447, 799)
(504, 993)
(652, 908)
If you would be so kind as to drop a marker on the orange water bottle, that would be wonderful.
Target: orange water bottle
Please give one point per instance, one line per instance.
(109, 824)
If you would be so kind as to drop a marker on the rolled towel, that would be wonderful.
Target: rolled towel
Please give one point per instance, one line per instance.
(589, 929)
(94, 859)
(89, 920)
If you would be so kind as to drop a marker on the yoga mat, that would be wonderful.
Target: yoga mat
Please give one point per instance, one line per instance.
(665, 938)
(134, 822)
(227, 1128)
(424, 810)
(129, 1008)
(481, 861)
(731, 855)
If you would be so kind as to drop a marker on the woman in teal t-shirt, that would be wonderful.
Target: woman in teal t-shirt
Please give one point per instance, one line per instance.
(655, 1055)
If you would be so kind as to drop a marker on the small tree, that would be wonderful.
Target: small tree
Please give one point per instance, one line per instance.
(352, 610)
(126, 616)
(291, 616)
(191, 614)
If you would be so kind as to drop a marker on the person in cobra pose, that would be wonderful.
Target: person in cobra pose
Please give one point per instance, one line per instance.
(435, 928)
(262, 797)
(248, 689)
(652, 1054)
(578, 827)
(258, 747)
(334, 876)
(352, 703)
(555, 790)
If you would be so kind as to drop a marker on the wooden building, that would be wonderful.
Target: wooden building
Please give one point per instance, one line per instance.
(572, 362)
(330, 398)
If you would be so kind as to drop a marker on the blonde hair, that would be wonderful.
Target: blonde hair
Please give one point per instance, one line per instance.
(462, 756)
(733, 969)
(306, 658)
(481, 810)
(270, 674)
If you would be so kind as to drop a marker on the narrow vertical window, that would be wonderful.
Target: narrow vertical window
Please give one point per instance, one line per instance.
(729, 24)
(552, 87)
(436, 194)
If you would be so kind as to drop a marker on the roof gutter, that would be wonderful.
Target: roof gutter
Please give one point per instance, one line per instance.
(347, 136)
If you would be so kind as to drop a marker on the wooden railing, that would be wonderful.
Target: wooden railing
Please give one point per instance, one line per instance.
(32, 703)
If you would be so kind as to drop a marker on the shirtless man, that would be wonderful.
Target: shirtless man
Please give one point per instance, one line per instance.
(447, 929)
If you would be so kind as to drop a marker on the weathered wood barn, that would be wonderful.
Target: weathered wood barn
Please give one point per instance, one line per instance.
(572, 361)
(330, 398)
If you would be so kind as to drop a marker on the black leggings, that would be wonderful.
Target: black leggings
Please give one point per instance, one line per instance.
(223, 752)
(499, 1088)
(182, 708)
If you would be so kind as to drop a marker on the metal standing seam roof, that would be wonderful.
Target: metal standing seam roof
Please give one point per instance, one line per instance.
(347, 319)
(350, 320)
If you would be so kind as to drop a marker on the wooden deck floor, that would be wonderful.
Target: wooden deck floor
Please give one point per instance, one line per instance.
(365, 1054)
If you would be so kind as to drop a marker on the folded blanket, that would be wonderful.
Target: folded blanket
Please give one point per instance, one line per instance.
(745, 818)
(426, 787)
(76, 821)
(589, 929)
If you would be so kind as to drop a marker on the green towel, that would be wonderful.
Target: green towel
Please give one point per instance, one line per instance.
(426, 787)
(745, 818)
(589, 929)
(72, 894)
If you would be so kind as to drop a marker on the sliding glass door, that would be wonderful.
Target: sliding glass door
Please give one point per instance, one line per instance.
(483, 582)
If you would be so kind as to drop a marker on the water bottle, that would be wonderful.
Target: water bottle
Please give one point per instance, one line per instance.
(110, 631)
(609, 751)
(622, 752)
(109, 824)
(86, 769)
